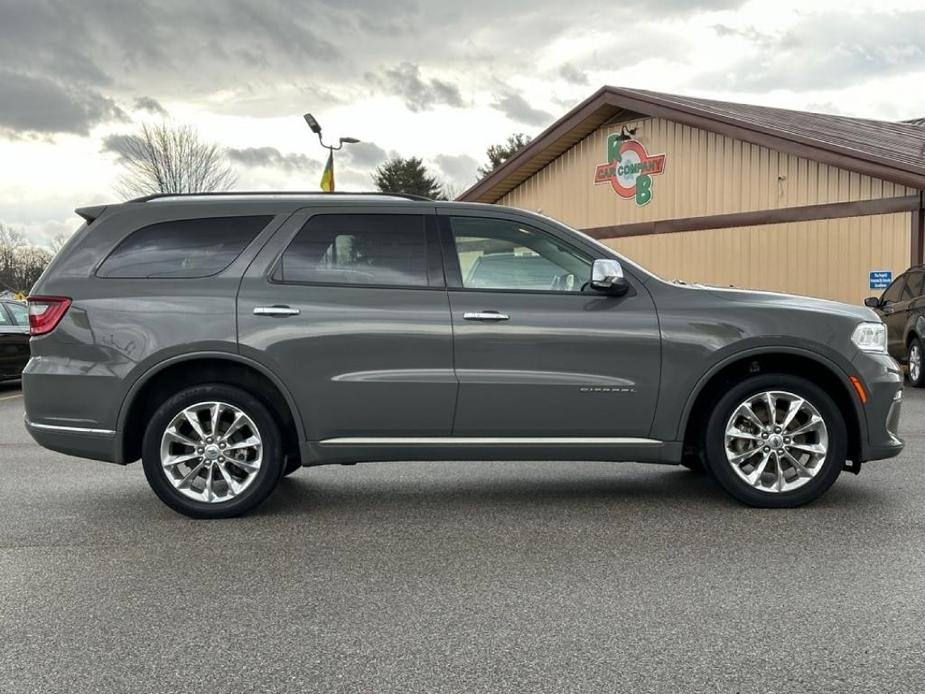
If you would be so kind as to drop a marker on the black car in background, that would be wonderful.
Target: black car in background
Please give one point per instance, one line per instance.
(14, 338)
(902, 307)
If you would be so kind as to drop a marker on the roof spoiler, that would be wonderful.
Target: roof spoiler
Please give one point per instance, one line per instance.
(91, 213)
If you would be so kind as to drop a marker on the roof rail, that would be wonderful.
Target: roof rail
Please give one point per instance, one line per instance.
(157, 196)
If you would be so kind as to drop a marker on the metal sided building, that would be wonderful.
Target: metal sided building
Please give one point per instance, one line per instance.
(729, 194)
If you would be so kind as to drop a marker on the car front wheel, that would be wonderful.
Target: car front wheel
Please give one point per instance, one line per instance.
(915, 375)
(212, 451)
(776, 441)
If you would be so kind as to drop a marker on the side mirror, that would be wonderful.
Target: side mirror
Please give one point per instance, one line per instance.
(607, 277)
(872, 302)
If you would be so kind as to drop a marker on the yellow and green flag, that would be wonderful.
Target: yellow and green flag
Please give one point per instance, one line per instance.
(327, 178)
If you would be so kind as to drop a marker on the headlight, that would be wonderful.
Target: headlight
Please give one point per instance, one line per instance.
(870, 337)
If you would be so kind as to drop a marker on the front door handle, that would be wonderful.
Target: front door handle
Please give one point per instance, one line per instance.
(276, 311)
(485, 316)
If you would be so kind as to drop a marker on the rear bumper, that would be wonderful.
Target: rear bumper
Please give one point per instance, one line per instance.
(96, 444)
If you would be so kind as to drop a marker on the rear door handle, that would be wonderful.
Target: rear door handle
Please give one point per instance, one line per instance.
(276, 311)
(485, 316)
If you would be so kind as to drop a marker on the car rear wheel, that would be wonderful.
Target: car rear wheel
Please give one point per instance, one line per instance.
(915, 375)
(212, 451)
(776, 441)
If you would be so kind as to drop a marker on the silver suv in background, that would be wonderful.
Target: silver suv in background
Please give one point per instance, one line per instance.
(226, 340)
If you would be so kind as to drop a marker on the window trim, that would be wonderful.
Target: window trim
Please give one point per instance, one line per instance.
(436, 279)
(453, 270)
(271, 224)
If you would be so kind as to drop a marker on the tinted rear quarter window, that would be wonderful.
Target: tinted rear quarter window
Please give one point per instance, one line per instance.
(358, 249)
(183, 248)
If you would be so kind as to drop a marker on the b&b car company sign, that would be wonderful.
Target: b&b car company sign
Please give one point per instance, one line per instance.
(629, 168)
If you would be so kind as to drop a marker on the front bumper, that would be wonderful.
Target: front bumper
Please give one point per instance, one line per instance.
(882, 379)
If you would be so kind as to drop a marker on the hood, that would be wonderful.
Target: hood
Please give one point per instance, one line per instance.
(792, 301)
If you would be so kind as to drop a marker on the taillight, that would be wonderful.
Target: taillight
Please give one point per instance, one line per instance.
(45, 312)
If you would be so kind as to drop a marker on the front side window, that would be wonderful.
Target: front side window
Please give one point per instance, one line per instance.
(183, 248)
(358, 249)
(895, 290)
(4, 320)
(502, 254)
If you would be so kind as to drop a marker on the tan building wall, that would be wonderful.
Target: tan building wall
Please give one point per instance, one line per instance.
(709, 174)
(828, 258)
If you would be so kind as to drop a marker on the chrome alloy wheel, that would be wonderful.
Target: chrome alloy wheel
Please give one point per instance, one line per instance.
(915, 361)
(776, 441)
(211, 452)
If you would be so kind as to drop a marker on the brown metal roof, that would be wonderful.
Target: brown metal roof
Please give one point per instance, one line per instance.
(891, 151)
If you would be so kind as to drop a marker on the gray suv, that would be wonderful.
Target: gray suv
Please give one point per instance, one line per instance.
(226, 340)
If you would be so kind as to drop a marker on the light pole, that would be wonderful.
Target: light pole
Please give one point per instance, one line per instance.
(327, 178)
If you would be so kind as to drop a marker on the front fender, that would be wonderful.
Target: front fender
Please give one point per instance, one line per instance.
(826, 358)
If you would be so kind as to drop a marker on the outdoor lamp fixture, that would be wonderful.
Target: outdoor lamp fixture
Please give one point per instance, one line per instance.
(327, 176)
(316, 128)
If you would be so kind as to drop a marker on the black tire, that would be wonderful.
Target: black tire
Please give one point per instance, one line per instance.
(266, 478)
(831, 465)
(918, 381)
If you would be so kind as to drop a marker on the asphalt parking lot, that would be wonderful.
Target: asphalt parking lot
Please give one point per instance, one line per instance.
(468, 577)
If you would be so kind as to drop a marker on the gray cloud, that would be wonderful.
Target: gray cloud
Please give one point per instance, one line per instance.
(150, 104)
(515, 107)
(572, 74)
(459, 170)
(365, 154)
(272, 158)
(261, 59)
(42, 105)
(825, 51)
(119, 144)
(419, 94)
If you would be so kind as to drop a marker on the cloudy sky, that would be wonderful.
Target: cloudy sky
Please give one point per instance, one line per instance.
(431, 78)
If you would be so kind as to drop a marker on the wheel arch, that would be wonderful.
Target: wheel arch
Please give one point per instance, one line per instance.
(165, 378)
(798, 362)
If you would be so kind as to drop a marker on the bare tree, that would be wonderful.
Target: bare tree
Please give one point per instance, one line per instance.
(21, 262)
(168, 158)
(58, 240)
(31, 262)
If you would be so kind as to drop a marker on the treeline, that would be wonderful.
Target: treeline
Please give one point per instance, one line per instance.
(409, 175)
(21, 262)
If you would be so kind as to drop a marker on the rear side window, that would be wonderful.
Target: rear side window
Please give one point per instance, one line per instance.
(359, 249)
(183, 248)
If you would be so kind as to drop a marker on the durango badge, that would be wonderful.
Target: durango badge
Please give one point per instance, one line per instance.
(629, 168)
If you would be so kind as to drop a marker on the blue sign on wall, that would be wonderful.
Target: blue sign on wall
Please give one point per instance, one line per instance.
(881, 279)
